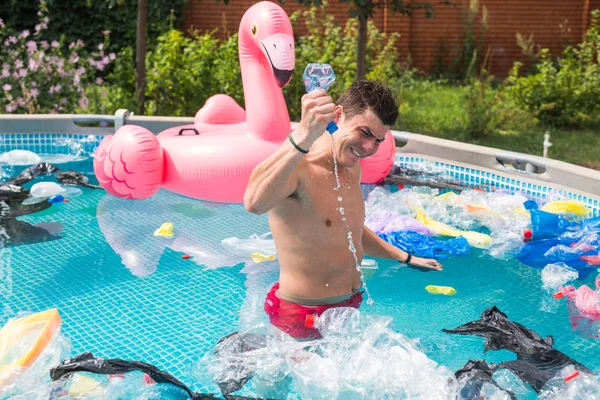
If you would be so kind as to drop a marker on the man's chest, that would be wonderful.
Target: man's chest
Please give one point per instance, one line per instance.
(341, 206)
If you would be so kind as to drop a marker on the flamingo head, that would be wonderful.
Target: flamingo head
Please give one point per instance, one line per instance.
(266, 31)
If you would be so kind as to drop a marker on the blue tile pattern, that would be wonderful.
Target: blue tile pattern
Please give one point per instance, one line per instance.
(67, 144)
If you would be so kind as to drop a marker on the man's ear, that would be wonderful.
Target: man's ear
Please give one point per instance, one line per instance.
(339, 113)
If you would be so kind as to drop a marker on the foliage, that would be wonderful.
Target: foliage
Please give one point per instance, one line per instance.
(182, 73)
(465, 55)
(567, 92)
(366, 8)
(47, 77)
(86, 20)
(328, 42)
(119, 92)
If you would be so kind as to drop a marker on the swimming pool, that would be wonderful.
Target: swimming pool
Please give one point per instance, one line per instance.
(123, 293)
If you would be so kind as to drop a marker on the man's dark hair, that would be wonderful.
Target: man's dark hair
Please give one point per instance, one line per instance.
(369, 94)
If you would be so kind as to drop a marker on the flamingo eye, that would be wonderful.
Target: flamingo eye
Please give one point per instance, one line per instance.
(254, 30)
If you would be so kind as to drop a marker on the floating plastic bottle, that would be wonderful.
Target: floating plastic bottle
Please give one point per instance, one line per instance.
(571, 384)
(335, 322)
(319, 76)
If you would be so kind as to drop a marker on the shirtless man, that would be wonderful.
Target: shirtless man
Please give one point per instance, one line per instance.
(295, 185)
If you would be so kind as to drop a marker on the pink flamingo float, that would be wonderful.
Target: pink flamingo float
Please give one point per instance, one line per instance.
(213, 158)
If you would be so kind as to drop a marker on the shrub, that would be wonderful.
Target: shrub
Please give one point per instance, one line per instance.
(38, 76)
(88, 19)
(566, 92)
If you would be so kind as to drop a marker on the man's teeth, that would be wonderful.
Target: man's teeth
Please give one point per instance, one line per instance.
(355, 153)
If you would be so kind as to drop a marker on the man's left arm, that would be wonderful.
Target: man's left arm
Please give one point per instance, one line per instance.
(375, 246)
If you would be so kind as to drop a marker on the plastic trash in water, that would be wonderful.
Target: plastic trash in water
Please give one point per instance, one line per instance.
(319, 76)
(29, 346)
(425, 246)
(544, 224)
(56, 199)
(165, 230)
(566, 207)
(335, 322)
(556, 275)
(23, 340)
(20, 157)
(48, 190)
(263, 244)
(369, 264)
(571, 384)
(259, 258)
(445, 290)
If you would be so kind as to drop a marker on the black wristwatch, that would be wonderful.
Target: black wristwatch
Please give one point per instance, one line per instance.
(408, 258)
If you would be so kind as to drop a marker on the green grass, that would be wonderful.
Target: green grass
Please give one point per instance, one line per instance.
(438, 109)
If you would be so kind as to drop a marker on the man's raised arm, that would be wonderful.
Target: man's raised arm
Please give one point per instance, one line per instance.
(275, 178)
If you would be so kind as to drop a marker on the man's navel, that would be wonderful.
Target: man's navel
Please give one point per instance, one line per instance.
(328, 222)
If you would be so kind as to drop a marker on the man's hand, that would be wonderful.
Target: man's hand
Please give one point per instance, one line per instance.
(425, 264)
(317, 112)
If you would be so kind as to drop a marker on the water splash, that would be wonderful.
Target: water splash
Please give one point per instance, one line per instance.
(351, 246)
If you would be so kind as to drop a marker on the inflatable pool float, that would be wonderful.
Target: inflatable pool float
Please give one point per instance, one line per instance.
(213, 158)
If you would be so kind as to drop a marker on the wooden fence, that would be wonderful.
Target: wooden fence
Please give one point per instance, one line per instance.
(553, 23)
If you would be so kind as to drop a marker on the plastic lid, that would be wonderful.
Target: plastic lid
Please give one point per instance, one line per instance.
(309, 321)
(528, 234)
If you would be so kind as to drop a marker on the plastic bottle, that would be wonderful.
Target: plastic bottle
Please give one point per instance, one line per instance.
(335, 322)
(571, 384)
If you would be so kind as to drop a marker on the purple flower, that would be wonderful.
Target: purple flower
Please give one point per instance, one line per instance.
(100, 46)
(22, 72)
(83, 102)
(31, 46)
(34, 92)
(18, 64)
(6, 87)
(12, 39)
(1, 22)
(38, 28)
(106, 32)
(24, 34)
(10, 107)
(112, 56)
(33, 65)
(54, 44)
(99, 81)
(44, 44)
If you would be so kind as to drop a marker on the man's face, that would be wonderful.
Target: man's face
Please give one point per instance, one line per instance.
(358, 137)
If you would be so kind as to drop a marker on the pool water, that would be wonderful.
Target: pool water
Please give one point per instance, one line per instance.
(124, 293)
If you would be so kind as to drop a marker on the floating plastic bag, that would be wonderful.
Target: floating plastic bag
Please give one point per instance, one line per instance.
(262, 244)
(20, 157)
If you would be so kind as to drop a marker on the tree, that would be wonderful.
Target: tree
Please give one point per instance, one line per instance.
(364, 9)
(140, 53)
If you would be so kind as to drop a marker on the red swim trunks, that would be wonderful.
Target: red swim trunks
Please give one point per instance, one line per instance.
(290, 317)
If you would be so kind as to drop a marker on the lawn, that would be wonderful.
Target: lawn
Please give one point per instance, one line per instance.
(438, 109)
